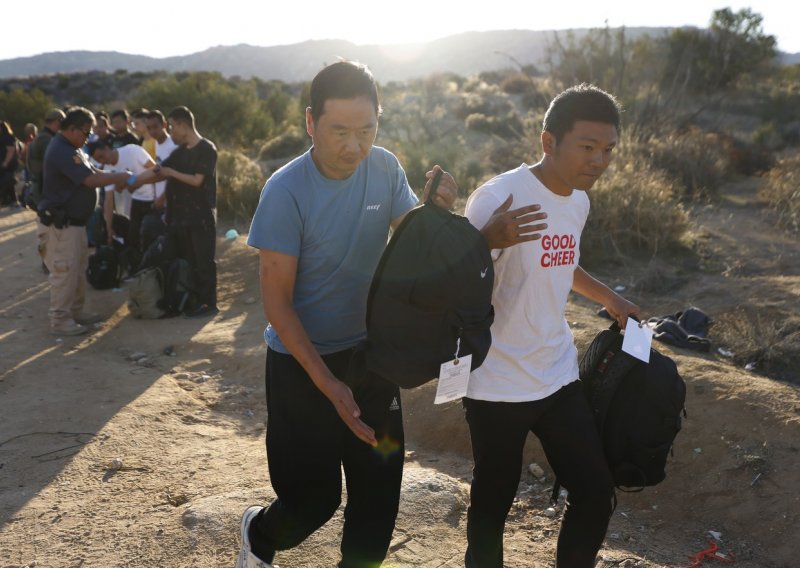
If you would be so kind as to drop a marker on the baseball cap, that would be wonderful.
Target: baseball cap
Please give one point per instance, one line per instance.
(54, 114)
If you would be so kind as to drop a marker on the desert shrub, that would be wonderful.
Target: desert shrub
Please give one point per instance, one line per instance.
(768, 341)
(782, 190)
(239, 183)
(288, 144)
(697, 159)
(634, 207)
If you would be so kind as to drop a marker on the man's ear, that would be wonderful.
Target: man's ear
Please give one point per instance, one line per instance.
(548, 142)
(309, 122)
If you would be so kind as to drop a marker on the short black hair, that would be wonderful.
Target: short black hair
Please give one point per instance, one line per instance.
(96, 145)
(182, 114)
(78, 117)
(581, 102)
(342, 80)
(121, 112)
(158, 115)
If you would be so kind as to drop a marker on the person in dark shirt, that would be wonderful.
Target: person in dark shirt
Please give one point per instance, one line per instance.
(123, 135)
(191, 199)
(8, 164)
(68, 199)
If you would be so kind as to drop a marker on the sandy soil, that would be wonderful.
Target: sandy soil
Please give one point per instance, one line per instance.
(188, 429)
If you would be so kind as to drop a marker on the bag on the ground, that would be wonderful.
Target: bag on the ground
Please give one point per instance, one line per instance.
(430, 298)
(160, 253)
(637, 408)
(145, 293)
(179, 291)
(103, 271)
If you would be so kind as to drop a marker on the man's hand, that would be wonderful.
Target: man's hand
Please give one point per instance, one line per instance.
(619, 308)
(507, 228)
(446, 191)
(342, 399)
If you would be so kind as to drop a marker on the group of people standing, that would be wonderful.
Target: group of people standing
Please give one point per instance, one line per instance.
(320, 228)
(169, 170)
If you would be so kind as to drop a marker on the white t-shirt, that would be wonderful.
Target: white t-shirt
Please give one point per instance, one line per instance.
(134, 158)
(533, 352)
(163, 150)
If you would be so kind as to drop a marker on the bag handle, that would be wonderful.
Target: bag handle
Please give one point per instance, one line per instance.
(437, 177)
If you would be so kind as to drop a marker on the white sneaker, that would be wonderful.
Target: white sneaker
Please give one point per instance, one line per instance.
(70, 327)
(246, 557)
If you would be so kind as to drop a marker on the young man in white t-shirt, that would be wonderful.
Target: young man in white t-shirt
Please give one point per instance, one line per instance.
(157, 127)
(136, 160)
(528, 382)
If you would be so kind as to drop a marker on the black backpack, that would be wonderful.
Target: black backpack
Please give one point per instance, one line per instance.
(637, 407)
(179, 291)
(96, 230)
(103, 271)
(430, 297)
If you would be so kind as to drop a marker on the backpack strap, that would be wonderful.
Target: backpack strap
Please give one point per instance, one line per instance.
(437, 177)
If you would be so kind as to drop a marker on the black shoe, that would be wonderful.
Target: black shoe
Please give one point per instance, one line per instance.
(202, 311)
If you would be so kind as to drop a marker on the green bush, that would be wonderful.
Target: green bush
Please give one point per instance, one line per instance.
(782, 190)
(239, 184)
(290, 143)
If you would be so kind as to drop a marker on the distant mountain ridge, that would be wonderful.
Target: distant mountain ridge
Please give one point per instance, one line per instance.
(464, 54)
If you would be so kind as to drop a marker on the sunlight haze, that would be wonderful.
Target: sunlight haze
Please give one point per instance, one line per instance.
(189, 27)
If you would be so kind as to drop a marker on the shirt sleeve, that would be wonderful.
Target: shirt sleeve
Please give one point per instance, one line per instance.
(481, 205)
(403, 197)
(206, 162)
(277, 223)
(75, 167)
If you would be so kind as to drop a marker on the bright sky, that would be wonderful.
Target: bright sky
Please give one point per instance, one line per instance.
(191, 26)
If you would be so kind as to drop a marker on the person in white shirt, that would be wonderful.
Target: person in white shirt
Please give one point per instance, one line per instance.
(528, 382)
(136, 160)
(157, 127)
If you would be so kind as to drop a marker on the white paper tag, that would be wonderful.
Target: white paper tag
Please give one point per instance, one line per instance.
(453, 379)
(637, 340)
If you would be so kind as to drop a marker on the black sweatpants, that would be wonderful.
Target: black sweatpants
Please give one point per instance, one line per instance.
(307, 447)
(138, 210)
(197, 244)
(563, 423)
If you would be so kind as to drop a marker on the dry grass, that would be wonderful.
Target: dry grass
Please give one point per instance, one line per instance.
(635, 206)
(782, 191)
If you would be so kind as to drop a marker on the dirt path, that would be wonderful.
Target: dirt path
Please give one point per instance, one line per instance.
(189, 429)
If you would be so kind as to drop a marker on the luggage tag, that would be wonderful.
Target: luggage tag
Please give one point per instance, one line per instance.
(453, 378)
(637, 340)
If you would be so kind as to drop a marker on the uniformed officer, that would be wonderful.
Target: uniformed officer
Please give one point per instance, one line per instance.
(68, 199)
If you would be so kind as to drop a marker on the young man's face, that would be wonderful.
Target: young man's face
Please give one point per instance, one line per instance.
(583, 153)
(178, 130)
(101, 129)
(103, 155)
(140, 126)
(156, 129)
(343, 135)
(119, 124)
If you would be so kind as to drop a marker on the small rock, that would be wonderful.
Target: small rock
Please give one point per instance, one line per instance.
(536, 470)
(115, 464)
(750, 367)
(250, 300)
(181, 376)
(620, 288)
(169, 351)
(59, 340)
(136, 355)
(549, 513)
(724, 352)
(249, 413)
(614, 536)
(698, 450)
(144, 362)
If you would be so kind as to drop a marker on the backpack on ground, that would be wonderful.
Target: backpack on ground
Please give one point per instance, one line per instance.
(145, 293)
(103, 271)
(430, 298)
(179, 291)
(96, 230)
(160, 253)
(637, 407)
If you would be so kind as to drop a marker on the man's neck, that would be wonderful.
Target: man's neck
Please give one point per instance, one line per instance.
(192, 139)
(549, 179)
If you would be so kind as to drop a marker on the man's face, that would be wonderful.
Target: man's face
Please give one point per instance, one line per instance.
(583, 153)
(101, 129)
(139, 126)
(102, 155)
(343, 135)
(119, 124)
(178, 131)
(156, 129)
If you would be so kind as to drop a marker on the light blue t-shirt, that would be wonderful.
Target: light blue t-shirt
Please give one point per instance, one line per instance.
(337, 229)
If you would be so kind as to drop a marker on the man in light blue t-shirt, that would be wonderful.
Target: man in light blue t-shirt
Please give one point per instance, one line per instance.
(320, 227)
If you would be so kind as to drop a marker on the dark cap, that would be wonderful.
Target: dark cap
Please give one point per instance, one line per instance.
(54, 114)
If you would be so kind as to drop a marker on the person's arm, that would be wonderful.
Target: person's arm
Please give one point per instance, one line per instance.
(277, 273)
(618, 307)
(195, 180)
(98, 178)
